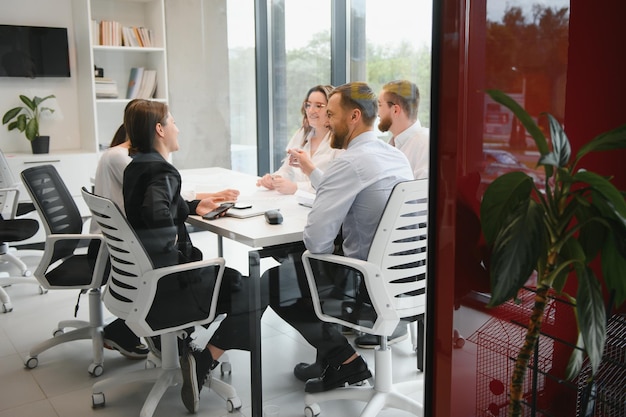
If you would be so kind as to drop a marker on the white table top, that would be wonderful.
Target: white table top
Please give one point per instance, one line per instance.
(254, 231)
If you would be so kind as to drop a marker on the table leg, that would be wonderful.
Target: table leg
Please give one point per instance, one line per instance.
(256, 383)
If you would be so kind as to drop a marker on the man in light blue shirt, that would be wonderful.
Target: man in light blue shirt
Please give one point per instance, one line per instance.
(351, 195)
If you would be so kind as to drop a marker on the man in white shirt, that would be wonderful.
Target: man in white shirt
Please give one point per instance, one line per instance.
(398, 103)
(351, 195)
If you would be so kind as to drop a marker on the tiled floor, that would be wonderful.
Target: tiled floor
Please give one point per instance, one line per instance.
(61, 386)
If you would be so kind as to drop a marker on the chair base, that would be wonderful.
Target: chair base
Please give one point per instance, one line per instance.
(91, 329)
(168, 374)
(8, 257)
(384, 394)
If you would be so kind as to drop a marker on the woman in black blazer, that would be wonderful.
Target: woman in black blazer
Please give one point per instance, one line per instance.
(157, 212)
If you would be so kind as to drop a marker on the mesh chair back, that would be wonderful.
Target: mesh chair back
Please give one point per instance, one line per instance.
(134, 284)
(399, 248)
(55, 205)
(129, 261)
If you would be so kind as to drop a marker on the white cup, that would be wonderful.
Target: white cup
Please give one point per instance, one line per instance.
(271, 410)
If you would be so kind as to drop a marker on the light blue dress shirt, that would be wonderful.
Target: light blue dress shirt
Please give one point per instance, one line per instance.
(353, 191)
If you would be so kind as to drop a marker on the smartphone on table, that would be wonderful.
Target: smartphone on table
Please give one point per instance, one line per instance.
(214, 214)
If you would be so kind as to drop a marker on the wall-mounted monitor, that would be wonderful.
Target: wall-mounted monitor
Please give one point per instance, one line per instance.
(33, 51)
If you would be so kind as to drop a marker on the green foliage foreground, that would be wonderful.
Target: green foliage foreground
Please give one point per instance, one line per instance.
(557, 232)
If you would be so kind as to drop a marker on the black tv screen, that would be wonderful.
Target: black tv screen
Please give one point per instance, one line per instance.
(33, 51)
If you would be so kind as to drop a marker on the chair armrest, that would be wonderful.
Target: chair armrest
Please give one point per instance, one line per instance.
(46, 260)
(387, 318)
(147, 290)
(15, 199)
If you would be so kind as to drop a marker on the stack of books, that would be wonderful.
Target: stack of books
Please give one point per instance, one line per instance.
(106, 88)
(136, 36)
(141, 83)
(112, 33)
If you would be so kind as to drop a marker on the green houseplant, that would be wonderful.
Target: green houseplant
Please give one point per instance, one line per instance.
(557, 232)
(26, 118)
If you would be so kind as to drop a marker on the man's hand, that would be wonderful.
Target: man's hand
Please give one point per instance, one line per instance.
(300, 159)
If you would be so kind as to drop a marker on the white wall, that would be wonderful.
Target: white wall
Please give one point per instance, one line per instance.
(197, 55)
(63, 125)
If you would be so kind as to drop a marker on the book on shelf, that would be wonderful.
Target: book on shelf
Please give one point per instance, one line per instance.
(134, 82)
(106, 88)
(148, 84)
(112, 33)
(141, 83)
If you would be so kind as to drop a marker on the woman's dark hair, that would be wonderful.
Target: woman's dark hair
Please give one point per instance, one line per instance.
(119, 137)
(140, 120)
(324, 89)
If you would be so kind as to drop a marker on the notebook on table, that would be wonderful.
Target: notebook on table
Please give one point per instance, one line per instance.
(247, 212)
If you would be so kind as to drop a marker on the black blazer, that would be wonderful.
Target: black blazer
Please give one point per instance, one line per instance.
(155, 208)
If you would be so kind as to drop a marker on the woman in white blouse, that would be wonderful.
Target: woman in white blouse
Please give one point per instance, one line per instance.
(313, 138)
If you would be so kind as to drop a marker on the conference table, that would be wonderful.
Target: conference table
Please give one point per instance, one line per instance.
(264, 240)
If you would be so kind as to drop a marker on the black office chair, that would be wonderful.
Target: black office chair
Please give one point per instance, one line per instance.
(13, 270)
(66, 264)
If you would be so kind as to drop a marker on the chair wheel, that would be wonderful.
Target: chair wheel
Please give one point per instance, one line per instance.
(7, 307)
(57, 332)
(31, 363)
(233, 404)
(27, 273)
(312, 410)
(95, 369)
(42, 290)
(97, 400)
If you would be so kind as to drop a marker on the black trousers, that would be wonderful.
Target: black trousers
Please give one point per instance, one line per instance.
(290, 298)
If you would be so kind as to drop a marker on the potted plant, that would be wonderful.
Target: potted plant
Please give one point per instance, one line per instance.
(557, 232)
(26, 119)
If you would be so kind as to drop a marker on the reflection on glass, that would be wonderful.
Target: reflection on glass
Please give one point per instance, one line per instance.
(521, 48)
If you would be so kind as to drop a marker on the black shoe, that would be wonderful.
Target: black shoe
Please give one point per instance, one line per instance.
(196, 367)
(117, 336)
(370, 341)
(305, 371)
(350, 373)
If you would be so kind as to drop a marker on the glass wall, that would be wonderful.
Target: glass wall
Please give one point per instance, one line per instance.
(385, 41)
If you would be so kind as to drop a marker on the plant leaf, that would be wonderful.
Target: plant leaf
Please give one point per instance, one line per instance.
(614, 270)
(591, 315)
(502, 195)
(592, 235)
(10, 115)
(613, 139)
(32, 129)
(516, 250)
(28, 102)
(560, 144)
(607, 190)
(575, 363)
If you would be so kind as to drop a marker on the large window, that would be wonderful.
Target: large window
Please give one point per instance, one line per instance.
(372, 41)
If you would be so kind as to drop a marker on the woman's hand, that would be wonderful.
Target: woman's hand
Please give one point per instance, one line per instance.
(206, 205)
(220, 196)
(265, 181)
(226, 195)
(283, 185)
(301, 159)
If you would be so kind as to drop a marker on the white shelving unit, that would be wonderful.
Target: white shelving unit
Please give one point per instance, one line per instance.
(98, 119)
(117, 61)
